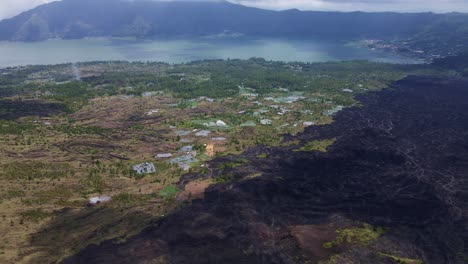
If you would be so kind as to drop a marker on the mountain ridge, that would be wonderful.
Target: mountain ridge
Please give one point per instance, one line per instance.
(72, 19)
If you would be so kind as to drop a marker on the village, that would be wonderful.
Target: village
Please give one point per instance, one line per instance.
(232, 125)
(119, 145)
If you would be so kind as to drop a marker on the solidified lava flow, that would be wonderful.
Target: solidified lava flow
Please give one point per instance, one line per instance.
(400, 161)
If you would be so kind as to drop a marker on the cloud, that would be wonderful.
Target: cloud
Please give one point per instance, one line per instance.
(440, 6)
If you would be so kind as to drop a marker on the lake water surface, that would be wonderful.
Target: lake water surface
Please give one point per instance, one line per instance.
(184, 50)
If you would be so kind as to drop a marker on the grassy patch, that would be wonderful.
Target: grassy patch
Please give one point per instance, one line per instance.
(35, 215)
(262, 156)
(400, 260)
(233, 164)
(168, 192)
(224, 178)
(128, 198)
(80, 130)
(93, 183)
(11, 194)
(36, 170)
(11, 127)
(317, 145)
(356, 235)
(58, 196)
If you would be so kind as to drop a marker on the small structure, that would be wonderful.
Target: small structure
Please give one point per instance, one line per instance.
(184, 166)
(334, 110)
(207, 99)
(184, 161)
(309, 124)
(248, 124)
(149, 94)
(266, 122)
(163, 156)
(182, 133)
(219, 139)
(189, 158)
(99, 199)
(210, 150)
(151, 112)
(347, 90)
(144, 168)
(203, 133)
(210, 124)
(186, 149)
(221, 123)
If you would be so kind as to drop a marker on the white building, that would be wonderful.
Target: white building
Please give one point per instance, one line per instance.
(221, 123)
(163, 156)
(99, 199)
(266, 122)
(144, 168)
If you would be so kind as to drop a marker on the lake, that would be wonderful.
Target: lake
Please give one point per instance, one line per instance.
(57, 51)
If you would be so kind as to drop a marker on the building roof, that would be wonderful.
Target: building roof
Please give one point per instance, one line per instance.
(203, 133)
(99, 199)
(164, 155)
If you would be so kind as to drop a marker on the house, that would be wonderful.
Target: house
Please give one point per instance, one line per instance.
(163, 156)
(220, 123)
(186, 149)
(347, 90)
(144, 168)
(184, 166)
(219, 139)
(210, 150)
(151, 112)
(266, 122)
(209, 124)
(207, 99)
(182, 133)
(203, 133)
(184, 161)
(308, 124)
(189, 158)
(99, 199)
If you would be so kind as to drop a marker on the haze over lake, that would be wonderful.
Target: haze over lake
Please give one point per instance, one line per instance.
(57, 51)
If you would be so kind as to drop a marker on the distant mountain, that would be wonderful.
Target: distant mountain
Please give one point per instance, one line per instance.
(71, 19)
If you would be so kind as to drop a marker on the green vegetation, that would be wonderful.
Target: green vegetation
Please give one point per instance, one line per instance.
(233, 164)
(35, 215)
(401, 260)
(36, 170)
(12, 194)
(169, 192)
(80, 130)
(317, 145)
(356, 235)
(224, 178)
(93, 183)
(11, 127)
(128, 199)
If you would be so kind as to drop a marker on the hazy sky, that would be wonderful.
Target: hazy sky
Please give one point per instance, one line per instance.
(10, 8)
